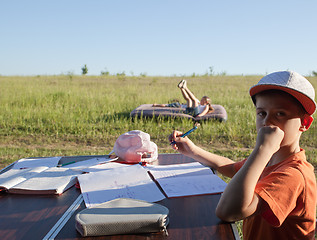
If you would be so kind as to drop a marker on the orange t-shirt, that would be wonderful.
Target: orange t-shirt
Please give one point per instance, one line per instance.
(289, 191)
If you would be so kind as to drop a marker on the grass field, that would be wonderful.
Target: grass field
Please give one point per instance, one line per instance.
(72, 115)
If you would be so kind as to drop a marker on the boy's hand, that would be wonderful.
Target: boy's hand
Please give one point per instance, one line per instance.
(270, 137)
(183, 144)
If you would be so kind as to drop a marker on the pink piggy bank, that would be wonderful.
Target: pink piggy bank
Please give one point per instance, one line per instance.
(135, 146)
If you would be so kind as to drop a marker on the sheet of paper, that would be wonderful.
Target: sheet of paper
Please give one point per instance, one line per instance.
(105, 166)
(193, 185)
(185, 169)
(88, 163)
(36, 162)
(126, 182)
(186, 179)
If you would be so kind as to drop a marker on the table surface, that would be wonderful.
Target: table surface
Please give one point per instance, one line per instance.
(43, 216)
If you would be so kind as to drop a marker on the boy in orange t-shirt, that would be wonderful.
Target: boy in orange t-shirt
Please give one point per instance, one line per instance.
(274, 189)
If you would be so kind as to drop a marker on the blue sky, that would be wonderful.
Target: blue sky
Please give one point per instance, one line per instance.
(163, 37)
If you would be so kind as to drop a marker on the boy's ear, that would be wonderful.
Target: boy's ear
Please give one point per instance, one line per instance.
(306, 122)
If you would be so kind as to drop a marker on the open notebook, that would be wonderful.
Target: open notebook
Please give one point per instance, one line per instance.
(149, 183)
(186, 179)
(46, 175)
(127, 181)
(38, 180)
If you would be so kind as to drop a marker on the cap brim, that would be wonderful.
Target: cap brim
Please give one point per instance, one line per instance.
(308, 104)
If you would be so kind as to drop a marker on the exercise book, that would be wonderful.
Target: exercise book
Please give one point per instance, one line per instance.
(13, 177)
(36, 162)
(128, 181)
(149, 183)
(186, 179)
(50, 181)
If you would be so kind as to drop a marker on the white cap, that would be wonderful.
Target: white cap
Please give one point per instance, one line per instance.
(292, 83)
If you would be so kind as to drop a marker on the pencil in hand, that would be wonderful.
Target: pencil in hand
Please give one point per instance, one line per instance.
(188, 132)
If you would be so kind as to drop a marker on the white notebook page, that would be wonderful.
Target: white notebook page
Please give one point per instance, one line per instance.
(126, 182)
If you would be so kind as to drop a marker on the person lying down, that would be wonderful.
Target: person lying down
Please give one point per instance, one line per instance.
(194, 107)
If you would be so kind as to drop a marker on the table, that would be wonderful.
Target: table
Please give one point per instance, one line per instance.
(53, 217)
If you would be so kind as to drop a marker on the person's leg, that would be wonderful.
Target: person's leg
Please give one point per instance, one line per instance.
(187, 98)
(158, 105)
(190, 95)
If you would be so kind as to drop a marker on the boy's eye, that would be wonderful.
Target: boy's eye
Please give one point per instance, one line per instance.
(261, 114)
(280, 114)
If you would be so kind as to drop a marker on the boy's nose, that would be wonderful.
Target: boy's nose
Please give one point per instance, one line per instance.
(267, 120)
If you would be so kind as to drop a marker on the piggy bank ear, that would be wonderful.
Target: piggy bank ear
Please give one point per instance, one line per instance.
(306, 122)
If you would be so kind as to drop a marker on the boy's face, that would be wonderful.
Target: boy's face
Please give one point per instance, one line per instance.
(281, 110)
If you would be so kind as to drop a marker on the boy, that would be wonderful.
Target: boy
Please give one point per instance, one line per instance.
(274, 189)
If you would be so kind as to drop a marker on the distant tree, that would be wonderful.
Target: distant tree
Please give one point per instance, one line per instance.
(84, 70)
(105, 73)
(314, 73)
(121, 74)
(211, 71)
(143, 74)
